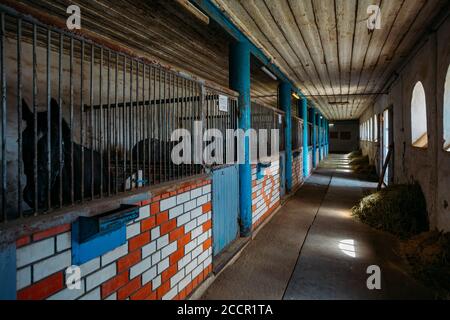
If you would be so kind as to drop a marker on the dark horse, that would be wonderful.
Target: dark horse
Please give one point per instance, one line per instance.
(60, 168)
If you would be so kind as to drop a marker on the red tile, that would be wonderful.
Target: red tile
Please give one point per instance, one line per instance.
(23, 241)
(148, 224)
(129, 288)
(129, 260)
(143, 293)
(42, 289)
(206, 207)
(154, 208)
(176, 234)
(168, 227)
(51, 232)
(207, 225)
(162, 217)
(139, 241)
(115, 283)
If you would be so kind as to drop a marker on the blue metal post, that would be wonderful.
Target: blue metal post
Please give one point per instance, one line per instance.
(239, 69)
(314, 129)
(319, 132)
(327, 141)
(285, 104)
(305, 137)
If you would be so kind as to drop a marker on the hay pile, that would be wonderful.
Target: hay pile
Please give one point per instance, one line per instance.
(399, 209)
(361, 165)
(429, 256)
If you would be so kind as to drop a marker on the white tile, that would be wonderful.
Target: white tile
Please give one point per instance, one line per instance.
(149, 275)
(35, 251)
(171, 294)
(176, 211)
(23, 277)
(196, 193)
(140, 267)
(100, 276)
(90, 266)
(196, 232)
(163, 265)
(148, 249)
(133, 230)
(68, 294)
(63, 241)
(162, 241)
(184, 282)
(191, 225)
(188, 206)
(184, 197)
(168, 250)
(144, 212)
(112, 297)
(206, 189)
(51, 265)
(115, 254)
(155, 233)
(202, 200)
(196, 212)
(177, 277)
(156, 257)
(167, 203)
(183, 219)
(156, 282)
(93, 295)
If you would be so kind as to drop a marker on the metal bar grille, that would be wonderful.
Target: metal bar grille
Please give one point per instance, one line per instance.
(90, 122)
(267, 118)
(297, 133)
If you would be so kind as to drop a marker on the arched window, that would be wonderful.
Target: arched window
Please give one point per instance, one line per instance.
(447, 112)
(419, 136)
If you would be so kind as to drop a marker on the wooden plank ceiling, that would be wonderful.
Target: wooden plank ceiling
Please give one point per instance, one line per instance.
(325, 47)
(159, 30)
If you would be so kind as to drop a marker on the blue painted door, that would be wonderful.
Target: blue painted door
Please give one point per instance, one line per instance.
(225, 201)
(282, 174)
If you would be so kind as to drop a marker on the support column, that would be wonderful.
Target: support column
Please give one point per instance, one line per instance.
(314, 136)
(305, 137)
(285, 104)
(239, 70)
(327, 137)
(320, 133)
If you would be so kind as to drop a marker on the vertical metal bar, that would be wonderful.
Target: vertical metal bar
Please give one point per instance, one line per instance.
(4, 88)
(101, 121)
(124, 144)
(149, 123)
(60, 154)
(130, 124)
(159, 128)
(72, 175)
(136, 124)
(165, 126)
(108, 124)
(116, 126)
(177, 119)
(169, 123)
(82, 121)
(153, 117)
(35, 123)
(19, 117)
(143, 113)
(91, 116)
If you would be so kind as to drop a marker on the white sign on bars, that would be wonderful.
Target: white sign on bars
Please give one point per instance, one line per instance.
(223, 103)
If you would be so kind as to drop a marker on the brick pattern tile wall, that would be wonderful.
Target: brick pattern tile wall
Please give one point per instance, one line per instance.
(317, 157)
(310, 160)
(168, 253)
(297, 171)
(265, 193)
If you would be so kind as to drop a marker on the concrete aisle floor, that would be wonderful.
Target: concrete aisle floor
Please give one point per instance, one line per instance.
(314, 249)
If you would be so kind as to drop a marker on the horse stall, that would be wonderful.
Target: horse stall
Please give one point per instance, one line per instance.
(297, 152)
(86, 166)
(267, 173)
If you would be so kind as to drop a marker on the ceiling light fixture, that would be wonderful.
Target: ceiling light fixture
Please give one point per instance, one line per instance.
(194, 10)
(270, 74)
(296, 96)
